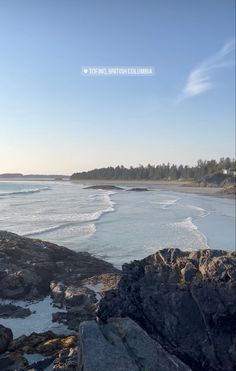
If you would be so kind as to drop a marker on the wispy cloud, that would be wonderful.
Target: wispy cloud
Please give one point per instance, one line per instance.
(200, 78)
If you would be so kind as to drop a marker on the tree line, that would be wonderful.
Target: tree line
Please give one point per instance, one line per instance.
(160, 172)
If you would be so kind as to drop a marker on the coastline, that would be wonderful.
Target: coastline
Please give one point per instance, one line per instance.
(173, 186)
(97, 307)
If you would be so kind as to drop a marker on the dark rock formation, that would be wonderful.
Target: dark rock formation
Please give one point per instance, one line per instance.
(28, 266)
(58, 351)
(184, 300)
(46, 343)
(6, 337)
(122, 345)
(13, 311)
(67, 360)
(104, 186)
(138, 189)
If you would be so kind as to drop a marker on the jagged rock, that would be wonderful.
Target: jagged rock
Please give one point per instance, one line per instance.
(71, 296)
(122, 345)
(28, 266)
(6, 337)
(46, 343)
(67, 360)
(184, 300)
(13, 311)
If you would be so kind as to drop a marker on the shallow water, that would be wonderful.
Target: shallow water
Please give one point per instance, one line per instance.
(118, 226)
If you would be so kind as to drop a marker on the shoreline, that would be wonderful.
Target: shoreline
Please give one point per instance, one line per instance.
(183, 187)
(188, 187)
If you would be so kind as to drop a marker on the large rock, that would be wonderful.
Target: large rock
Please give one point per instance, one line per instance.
(122, 345)
(28, 266)
(184, 300)
(13, 311)
(6, 337)
(60, 352)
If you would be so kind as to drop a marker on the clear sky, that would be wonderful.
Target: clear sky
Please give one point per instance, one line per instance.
(54, 120)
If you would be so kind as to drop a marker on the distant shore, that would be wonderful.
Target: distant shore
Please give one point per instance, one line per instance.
(173, 186)
(164, 185)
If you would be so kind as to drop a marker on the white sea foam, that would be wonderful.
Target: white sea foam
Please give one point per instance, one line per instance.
(201, 212)
(188, 225)
(87, 229)
(167, 203)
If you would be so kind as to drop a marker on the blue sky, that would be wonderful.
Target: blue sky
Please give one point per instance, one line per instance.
(54, 120)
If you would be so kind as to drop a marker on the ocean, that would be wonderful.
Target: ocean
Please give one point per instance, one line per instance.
(118, 226)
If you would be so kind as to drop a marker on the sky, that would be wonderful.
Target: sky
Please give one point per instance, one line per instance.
(53, 119)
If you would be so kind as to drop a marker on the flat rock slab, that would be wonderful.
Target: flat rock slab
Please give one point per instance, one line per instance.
(122, 345)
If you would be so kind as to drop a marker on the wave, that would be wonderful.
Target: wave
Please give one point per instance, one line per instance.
(89, 229)
(24, 191)
(45, 230)
(202, 212)
(191, 227)
(187, 223)
(167, 203)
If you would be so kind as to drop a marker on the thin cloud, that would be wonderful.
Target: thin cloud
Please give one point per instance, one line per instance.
(199, 80)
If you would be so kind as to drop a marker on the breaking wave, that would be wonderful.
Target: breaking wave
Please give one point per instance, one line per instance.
(24, 191)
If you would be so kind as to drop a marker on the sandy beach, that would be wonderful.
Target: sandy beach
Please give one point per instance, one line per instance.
(173, 186)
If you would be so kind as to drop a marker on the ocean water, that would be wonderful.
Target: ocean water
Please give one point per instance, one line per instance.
(117, 226)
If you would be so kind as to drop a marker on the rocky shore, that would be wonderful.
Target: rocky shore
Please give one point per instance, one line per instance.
(30, 271)
(173, 310)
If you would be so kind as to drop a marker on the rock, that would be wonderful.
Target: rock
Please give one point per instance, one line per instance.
(67, 360)
(104, 186)
(46, 343)
(51, 346)
(28, 266)
(122, 345)
(75, 315)
(138, 189)
(184, 300)
(6, 337)
(13, 361)
(13, 311)
(41, 365)
(71, 296)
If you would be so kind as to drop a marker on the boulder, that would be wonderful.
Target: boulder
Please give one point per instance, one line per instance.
(28, 266)
(13, 311)
(122, 345)
(184, 300)
(6, 337)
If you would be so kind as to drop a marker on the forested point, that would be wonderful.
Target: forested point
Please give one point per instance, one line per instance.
(223, 168)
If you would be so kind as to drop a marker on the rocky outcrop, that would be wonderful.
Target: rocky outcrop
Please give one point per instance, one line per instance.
(122, 345)
(59, 352)
(184, 300)
(138, 189)
(13, 311)
(27, 266)
(107, 187)
(6, 337)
